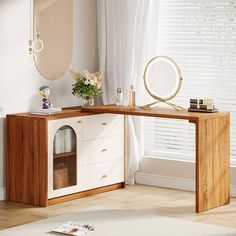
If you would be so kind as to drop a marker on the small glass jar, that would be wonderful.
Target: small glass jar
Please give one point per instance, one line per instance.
(119, 97)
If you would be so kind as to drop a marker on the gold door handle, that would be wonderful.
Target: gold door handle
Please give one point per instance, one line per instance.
(104, 176)
(104, 123)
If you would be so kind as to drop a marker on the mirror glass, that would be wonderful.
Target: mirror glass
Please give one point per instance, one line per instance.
(162, 80)
(162, 77)
(53, 24)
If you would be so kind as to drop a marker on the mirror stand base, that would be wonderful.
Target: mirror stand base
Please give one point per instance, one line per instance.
(147, 106)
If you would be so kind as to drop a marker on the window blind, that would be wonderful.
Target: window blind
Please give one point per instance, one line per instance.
(200, 35)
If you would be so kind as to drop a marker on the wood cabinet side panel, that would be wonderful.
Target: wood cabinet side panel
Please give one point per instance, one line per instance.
(27, 160)
(212, 163)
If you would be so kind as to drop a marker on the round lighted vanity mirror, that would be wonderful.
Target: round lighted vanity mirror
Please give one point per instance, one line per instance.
(53, 36)
(162, 80)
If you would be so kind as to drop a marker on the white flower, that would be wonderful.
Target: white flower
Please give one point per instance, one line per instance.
(86, 82)
(92, 82)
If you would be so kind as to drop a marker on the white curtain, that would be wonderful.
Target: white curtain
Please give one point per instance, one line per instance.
(122, 26)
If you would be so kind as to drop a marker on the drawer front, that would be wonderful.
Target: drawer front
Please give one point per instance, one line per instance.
(104, 125)
(102, 150)
(103, 174)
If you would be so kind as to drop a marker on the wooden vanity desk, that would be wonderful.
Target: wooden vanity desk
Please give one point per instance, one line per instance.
(212, 149)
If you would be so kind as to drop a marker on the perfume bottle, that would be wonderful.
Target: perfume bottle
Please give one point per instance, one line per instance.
(131, 96)
(119, 97)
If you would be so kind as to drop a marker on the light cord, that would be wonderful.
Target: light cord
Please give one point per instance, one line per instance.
(37, 44)
(30, 57)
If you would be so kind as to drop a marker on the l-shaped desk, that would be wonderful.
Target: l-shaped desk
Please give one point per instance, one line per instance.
(212, 149)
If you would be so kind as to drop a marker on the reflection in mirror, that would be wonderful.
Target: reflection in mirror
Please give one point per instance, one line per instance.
(162, 80)
(53, 32)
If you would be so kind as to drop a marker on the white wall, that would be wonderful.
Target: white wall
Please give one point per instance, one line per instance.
(19, 83)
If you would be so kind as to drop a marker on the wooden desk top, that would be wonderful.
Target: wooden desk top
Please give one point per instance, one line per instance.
(125, 110)
(154, 112)
(66, 113)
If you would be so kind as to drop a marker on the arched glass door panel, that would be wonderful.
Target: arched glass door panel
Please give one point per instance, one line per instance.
(64, 158)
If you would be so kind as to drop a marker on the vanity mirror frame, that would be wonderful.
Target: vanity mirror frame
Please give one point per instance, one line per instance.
(171, 94)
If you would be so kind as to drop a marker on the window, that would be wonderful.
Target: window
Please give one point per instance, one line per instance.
(200, 35)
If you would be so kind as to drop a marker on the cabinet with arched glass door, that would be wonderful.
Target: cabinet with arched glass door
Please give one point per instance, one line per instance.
(64, 165)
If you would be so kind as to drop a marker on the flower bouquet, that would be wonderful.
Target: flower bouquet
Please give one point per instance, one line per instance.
(87, 85)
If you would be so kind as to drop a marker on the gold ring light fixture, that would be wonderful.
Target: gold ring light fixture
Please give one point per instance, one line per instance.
(162, 80)
(38, 43)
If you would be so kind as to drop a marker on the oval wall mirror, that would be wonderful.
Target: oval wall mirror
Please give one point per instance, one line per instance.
(162, 80)
(53, 36)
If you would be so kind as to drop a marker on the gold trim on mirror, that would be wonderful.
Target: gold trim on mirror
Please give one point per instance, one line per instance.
(169, 96)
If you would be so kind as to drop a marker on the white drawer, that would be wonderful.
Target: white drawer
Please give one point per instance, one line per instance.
(103, 125)
(102, 150)
(103, 174)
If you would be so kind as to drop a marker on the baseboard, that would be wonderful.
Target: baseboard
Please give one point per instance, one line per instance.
(233, 190)
(2, 193)
(171, 182)
(164, 181)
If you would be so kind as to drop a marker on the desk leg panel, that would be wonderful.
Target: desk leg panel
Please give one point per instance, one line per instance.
(212, 163)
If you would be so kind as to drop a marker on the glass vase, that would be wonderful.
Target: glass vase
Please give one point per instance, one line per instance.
(87, 101)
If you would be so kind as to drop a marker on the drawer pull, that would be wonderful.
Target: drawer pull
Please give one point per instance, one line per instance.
(104, 123)
(104, 150)
(104, 176)
(79, 122)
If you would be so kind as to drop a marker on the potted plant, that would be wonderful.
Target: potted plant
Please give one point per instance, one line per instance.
(87, 85)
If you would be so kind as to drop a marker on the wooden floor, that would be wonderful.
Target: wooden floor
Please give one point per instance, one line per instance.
(167, 202)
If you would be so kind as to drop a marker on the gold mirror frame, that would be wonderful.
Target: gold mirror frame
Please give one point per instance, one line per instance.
(173, 93)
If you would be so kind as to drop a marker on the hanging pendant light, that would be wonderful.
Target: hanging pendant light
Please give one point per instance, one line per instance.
(30, 57)
(36, 45)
